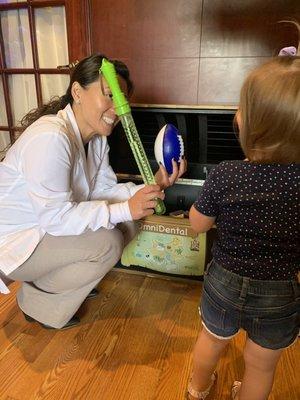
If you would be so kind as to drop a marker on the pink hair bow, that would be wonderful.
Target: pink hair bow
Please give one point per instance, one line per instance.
(288, 51)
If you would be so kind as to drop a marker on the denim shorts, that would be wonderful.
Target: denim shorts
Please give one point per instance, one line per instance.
(267, 310)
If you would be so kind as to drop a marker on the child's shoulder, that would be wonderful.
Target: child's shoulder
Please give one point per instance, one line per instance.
(231, 163)
(244, 165)
(243, 170)
(229, 166)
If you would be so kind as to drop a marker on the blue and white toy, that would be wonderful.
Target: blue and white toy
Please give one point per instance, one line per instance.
(168, 144)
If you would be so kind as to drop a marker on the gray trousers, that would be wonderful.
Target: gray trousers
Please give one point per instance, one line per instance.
(62, 271)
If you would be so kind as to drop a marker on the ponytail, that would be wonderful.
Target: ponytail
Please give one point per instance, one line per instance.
(291, 50)
(85, 73)
(55, 104)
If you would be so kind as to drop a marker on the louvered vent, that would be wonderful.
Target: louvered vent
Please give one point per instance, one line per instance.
(208, 137)
(222, 143)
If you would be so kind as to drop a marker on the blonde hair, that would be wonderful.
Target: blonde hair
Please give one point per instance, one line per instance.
(269, 128)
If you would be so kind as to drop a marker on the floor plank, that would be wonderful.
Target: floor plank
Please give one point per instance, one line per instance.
(135, 342)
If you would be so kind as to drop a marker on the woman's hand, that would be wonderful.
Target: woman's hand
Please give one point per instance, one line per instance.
(164, 180)
(143, 202)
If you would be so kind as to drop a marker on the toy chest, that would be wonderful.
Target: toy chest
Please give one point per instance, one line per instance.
(167, 244)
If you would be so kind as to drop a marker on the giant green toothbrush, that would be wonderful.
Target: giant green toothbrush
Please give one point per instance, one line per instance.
(123, 110)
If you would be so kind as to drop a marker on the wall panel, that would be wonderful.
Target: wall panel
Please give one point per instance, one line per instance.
(220, 78)
(147, 29)
(247, 28)
(191, 51)
(164, 80)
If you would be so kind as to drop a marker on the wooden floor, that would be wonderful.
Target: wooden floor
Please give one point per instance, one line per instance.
(134, 343)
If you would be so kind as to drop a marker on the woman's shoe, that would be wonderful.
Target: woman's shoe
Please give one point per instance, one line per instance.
(235, 389)
(201, 395)
(73, 322)
(93, 293)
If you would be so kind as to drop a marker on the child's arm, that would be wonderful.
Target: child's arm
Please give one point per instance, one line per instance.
(200, 222)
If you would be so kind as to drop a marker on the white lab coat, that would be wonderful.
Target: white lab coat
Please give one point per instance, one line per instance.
(47, 185)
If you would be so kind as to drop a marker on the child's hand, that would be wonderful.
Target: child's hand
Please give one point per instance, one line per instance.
(164, 180)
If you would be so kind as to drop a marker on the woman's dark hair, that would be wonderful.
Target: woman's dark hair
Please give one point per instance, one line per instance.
(85, 73)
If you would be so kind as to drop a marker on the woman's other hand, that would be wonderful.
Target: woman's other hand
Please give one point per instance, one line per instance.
(164, 180)
(143, 202)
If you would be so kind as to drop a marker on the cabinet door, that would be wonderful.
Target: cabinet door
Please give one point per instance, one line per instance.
(38, 41)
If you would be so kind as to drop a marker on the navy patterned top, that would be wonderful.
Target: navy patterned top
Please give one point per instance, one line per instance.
(257, 217)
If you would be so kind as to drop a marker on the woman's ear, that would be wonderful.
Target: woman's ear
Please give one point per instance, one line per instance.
(76, 92)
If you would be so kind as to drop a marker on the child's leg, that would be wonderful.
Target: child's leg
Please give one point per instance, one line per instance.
(260, 365)
(207, 352)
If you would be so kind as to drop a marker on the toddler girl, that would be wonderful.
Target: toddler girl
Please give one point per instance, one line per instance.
(252, 281)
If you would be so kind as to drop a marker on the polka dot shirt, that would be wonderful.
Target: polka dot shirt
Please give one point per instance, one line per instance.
(257, 217)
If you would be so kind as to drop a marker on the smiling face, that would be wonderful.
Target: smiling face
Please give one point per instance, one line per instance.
(93, 108)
